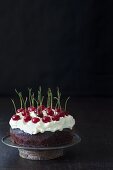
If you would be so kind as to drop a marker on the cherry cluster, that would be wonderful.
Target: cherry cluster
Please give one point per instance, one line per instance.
(38, 110)
(51, 115)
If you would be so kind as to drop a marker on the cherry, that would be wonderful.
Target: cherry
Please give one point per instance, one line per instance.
(15, 117)
(36, 110)
(20, 110)
(66, 113)
(25, 113)
(58, 110)
(40, 114)
(35, 119)
(49, 109)
(55, 118)
(31, 108)
(51, 113)
(27, 118)
(61, 114)
(42, 107)
(46, 119)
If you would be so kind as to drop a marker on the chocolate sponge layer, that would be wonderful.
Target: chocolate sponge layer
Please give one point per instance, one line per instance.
(41, 139)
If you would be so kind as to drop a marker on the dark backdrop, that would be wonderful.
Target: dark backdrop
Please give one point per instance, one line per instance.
(64, 43)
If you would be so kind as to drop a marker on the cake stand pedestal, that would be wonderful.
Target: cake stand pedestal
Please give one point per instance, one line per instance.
(40, 155)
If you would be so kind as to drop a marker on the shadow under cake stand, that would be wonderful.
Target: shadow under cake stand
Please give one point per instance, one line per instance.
(41, 153)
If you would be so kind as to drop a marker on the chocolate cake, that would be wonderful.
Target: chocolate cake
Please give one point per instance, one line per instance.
(41, 139)
(41, 126)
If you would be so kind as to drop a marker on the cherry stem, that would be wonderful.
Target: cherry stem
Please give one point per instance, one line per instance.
(36, 102)
(14, 105)
(66, 103)
(49, 98)
(32, 99)
(39, 95)
(58, 96)
(56, 102)
(56, 106)
(25, 103)
(20, 97)
(42, 100)
(30, 95)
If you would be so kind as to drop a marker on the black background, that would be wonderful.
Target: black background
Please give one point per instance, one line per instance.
(63, 43)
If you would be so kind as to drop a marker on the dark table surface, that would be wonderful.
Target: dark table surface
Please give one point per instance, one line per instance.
(94, 124)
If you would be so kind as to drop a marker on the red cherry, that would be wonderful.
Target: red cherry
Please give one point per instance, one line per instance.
(31, 108)
(55, 118)
(36, 110)
(20, 110)
(39, 113)
(42, 107)
(25, 113)
(49, 109)
(15, 117)
(35, 119)
(58, 110)
(46, 119)
(66, 113)
(61, 114)
(51, 113)
(27, 118)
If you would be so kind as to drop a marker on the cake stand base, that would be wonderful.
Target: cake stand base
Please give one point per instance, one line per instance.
(40, 155)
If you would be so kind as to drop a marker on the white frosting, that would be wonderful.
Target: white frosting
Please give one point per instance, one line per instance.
(34, 128)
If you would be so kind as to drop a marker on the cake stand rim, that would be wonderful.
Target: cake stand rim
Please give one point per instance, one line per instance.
(6, 140)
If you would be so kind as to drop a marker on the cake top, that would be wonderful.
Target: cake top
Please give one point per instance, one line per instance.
(33, 116)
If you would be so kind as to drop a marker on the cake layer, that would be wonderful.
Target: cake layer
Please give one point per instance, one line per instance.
(47, 139)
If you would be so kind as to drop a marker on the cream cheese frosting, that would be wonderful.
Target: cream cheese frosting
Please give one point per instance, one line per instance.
(34, 128)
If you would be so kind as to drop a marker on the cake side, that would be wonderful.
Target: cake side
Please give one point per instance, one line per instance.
(46, 139)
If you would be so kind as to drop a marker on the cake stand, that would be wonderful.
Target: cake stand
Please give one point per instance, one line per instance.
(41, 153)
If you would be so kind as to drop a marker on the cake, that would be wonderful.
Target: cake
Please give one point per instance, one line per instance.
(39, 125)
